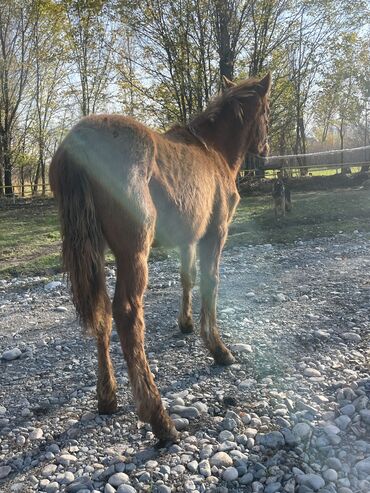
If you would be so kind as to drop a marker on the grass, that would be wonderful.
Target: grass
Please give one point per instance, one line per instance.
(314, 214)
(29, 236)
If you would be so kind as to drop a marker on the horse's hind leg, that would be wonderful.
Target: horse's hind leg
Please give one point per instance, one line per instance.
(210, 248)
(188, 276)
(129, 317)
(106, 386)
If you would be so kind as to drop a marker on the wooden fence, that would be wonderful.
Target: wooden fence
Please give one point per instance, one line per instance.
(357, 157)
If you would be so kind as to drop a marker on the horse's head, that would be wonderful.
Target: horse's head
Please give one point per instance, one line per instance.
(236, 123)
(251, 98)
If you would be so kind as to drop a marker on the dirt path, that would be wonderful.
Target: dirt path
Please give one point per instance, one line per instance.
(304, 312)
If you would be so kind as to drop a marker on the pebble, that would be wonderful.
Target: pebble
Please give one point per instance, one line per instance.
(363, 466)
(273, 487)
(36, 434)
(241, 348)
(185, 412)
(348, 410)
(118, 478)
(301, 430)
(351, 337)
(230, 474)
(4, 471)
(330, 475)
(11, 354)
(205, 468)
(51, 286)
(126, 488)
(48, 470)
(66, 459)
(365, 416)
(180, 423)
(246, 478)
(273, 440)
(311, 372)
(108, 488)
(313, 481)
(221, 459)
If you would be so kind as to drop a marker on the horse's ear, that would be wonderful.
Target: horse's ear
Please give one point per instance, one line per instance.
(264, 85)
(227, 83)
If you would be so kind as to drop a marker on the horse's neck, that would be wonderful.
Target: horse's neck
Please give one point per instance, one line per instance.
(230, 146)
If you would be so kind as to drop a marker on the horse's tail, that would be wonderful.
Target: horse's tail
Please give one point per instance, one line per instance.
(82, 237)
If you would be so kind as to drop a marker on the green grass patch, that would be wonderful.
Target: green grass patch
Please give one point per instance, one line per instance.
(30, 241)
(314, 214)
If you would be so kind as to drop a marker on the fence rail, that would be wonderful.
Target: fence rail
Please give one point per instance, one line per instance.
(355, 157)
(327, 160)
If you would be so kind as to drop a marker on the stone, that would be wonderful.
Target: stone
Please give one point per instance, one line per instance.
(273, 440)
(311, 372)
(51, 286)
(280, 297)
(334, 463)
(192, 466)
(351, 337)
(11, 354)
(272, 487)
(363, 466)
(230, 474)
(66, 459)
(205, 468)
(201, 406)
(126, 488)
(65, 478)
(48, 470)
(331, 430)
(185, 412)
(348, 410)
(241, 348)
(246, 478)
(246, 384)
(301, 431)
(36, 434)
(162, 488)
(108, 488)
(342, 421)
(313, 481)
(52, 487)
(225, 435)
(4, 471)
(180, 423)
(330, 475)
(221, 459)
(118, 478)
(365, 416)
(80, 484)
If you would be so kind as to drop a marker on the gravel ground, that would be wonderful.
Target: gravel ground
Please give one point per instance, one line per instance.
(292, 415)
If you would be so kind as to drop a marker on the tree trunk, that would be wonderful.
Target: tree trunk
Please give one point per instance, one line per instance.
(8, 179)
(345, 169)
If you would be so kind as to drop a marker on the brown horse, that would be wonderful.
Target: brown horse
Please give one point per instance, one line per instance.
(117, 183)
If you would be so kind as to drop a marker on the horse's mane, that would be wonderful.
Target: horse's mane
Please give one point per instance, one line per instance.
(234, 98)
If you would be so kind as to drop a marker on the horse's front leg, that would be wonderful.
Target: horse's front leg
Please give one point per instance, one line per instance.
(210, 248)
(188, 276)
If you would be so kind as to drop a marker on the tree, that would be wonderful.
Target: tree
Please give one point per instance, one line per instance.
(91, 40)
(16, 32)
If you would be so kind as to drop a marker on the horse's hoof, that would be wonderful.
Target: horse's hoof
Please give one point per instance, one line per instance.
(107, 407)
(167, 441)
(223, 356)
(186, 327)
